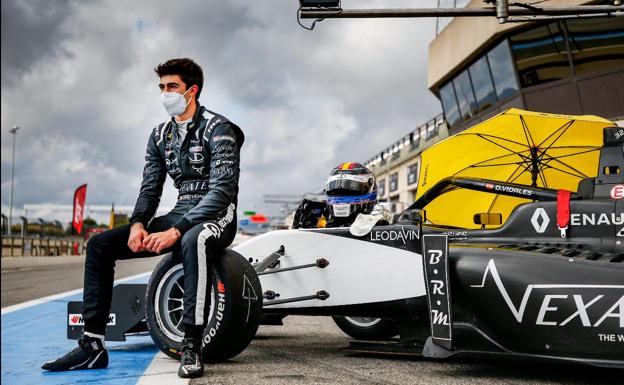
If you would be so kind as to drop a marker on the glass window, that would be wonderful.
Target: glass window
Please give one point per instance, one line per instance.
(482, 84)
(503, 73)
(432, 130)
(394, 182)
(449, 104)
(465, 96)
(381, 187)
(412, 174)
(415, 139)
(596, 44)
(541, 55)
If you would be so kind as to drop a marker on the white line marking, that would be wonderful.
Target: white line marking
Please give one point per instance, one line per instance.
(39, 301)
(162, 370)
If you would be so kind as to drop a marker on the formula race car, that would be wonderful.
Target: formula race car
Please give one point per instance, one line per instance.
(546, 283)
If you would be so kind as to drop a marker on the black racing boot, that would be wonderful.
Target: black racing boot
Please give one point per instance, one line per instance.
(191, 364)
(90, 354)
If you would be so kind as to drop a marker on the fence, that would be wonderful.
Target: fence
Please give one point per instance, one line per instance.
(34, 246)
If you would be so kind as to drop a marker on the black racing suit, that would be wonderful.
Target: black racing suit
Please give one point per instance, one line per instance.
(205, 170)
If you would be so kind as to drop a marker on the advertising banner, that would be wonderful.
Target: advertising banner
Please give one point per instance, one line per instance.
(80, 196)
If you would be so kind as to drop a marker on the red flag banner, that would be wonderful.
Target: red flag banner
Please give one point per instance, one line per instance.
(79, 205)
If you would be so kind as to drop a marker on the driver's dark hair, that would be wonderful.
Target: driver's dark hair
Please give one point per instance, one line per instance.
(189, 71)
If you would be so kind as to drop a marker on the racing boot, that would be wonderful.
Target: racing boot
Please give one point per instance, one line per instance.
(90, 354)
(191, 365)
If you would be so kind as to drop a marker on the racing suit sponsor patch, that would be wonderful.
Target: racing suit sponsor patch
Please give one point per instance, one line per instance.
(219, 138)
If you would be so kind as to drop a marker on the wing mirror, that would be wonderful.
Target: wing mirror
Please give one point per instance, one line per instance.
(414, 216)
(491, 219)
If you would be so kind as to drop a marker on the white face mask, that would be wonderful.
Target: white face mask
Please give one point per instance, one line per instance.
(174, 102)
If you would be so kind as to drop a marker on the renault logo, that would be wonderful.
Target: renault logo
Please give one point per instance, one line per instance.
(540, 220)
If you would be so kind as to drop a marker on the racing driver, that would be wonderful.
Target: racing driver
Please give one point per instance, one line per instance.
(200, 150)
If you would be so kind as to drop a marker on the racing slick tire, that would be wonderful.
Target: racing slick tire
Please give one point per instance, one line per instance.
(365, 328)
(235, 300)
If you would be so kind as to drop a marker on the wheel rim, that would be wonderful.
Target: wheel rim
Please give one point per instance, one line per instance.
(363, 322)
(169, 303)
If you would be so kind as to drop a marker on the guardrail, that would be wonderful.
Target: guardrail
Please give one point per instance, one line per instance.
(35, 246)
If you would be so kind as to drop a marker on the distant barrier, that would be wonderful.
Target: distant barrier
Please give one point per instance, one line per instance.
(35, 246)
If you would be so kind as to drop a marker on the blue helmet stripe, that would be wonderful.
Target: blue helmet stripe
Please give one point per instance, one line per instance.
(370, 197)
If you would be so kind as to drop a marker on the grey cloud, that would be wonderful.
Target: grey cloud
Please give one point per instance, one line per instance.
(306, 100)
(31, 31)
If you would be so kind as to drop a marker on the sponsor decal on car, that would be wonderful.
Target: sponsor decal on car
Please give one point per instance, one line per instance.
(196, 149)
(457, 235)
(219, 317)
(617, 192)
(552, 305)
(540, 220)
(435, 262)
(76, 320)
(403, 235)
(594, 219)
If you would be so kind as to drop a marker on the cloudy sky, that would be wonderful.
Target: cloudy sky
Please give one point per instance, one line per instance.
(77, 77)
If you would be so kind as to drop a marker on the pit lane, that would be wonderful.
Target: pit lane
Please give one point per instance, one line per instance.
(306, 350)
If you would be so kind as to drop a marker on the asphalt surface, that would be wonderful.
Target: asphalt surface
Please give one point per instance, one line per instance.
(310, 350)
(27, 278)
(306, 350)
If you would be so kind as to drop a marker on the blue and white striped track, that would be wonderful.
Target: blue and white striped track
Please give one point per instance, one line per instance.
(35, 332)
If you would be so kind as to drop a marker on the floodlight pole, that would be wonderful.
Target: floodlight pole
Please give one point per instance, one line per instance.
(13, 131)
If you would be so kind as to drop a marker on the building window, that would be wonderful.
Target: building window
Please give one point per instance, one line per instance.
(393, 184)
(465, 96)
(412, 174)
(415, 140)
(596, 44)
(432, 130)
(482, 84)
(503, 71)
(381, 187)
(449, 104)
(541, 55)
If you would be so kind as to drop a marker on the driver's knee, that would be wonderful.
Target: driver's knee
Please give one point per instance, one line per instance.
(190, 237)
(198, 236)
(96, 244)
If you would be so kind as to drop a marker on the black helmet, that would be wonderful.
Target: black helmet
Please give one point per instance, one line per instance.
(350, 189)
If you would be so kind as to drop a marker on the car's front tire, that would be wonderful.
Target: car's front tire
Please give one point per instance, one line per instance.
(235, 302)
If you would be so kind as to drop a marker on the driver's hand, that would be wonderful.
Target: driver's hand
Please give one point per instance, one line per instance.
(157, 242)
(137, 235)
